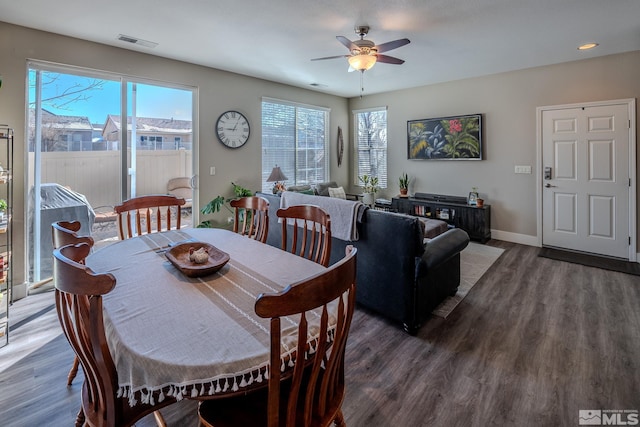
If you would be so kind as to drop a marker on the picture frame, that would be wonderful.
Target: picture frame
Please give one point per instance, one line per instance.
(445, 138)
(472, 199)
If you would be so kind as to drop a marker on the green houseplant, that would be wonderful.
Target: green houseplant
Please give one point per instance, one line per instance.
(369, 188)
(403, 183)
(216, 204)
(3, 208)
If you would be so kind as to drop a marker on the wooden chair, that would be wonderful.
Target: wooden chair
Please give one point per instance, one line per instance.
(314, 224)
(255, 221)
(310, 393)
(65, 233)
(78, 297)
(147, 214)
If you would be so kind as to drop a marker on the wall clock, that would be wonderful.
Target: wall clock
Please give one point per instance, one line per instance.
(232, 129)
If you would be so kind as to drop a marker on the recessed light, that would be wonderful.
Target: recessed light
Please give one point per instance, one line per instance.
(587, 46)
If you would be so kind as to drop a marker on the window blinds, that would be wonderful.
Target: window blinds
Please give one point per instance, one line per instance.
(371, 143)
(294, 137)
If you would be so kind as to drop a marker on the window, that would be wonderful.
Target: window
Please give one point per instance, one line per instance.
(371, 143)
(79, 111)
(294, 137)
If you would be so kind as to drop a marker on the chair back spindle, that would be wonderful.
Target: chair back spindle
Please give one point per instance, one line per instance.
(148, 214)
(251, 217)
(310, 232)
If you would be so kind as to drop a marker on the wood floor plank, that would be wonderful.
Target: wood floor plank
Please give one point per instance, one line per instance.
(535, 341)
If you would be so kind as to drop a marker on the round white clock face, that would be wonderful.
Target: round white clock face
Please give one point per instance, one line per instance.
(232, 129)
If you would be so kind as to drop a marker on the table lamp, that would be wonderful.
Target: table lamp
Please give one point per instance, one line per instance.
(275, 177)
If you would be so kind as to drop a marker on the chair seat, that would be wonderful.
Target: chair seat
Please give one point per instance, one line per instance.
(251, 409)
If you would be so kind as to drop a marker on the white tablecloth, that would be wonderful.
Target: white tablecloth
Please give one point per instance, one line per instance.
(191, 337)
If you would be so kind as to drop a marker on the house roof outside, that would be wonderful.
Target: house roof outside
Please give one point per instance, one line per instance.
(154, 125)
(62, 122)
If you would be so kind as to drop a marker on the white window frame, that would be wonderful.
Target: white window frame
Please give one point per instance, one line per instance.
(382, 166)
(291, 170)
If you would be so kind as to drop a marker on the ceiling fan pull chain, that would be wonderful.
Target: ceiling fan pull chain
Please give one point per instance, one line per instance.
(361, 83)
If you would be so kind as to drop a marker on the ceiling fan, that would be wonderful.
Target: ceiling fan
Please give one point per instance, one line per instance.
(365, 53)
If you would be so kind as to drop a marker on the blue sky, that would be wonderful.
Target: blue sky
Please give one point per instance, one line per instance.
(97, 103)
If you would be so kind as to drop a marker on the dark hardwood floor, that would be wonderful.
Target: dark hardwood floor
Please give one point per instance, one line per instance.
(535, 341)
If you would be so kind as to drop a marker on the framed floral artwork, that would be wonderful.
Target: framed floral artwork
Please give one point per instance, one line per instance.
(445, 138)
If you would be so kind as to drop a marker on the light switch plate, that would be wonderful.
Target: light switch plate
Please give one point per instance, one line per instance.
(212, 170)
(523, 169)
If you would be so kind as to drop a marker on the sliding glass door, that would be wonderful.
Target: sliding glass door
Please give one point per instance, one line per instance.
(96, 139)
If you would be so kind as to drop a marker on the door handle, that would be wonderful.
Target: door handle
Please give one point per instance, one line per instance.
(547, 185)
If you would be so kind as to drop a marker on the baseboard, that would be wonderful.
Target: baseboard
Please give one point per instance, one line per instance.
(523, 239)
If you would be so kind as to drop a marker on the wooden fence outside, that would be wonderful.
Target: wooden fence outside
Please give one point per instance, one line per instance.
(96, 174)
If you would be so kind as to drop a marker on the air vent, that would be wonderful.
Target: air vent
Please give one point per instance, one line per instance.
(134, 40)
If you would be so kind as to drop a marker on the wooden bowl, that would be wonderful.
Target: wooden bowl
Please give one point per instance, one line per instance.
(179, 256)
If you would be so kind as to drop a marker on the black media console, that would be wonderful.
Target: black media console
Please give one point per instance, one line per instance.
(452, 209)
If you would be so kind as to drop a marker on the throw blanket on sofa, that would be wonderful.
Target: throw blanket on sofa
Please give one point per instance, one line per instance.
(343, 213)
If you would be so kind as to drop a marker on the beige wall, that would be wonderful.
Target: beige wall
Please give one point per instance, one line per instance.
(508, 102)
(218, 91)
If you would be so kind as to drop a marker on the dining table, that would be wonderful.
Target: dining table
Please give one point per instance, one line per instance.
(170, 334)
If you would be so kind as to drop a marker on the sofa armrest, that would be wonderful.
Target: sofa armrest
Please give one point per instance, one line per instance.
(444, 246)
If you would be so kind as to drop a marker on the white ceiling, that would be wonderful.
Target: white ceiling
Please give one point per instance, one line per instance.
(276, 39)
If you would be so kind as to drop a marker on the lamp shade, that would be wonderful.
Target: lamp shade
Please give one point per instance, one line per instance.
(276, 175)
(362, 62)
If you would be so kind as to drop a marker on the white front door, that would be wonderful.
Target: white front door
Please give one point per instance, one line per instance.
(586, 179)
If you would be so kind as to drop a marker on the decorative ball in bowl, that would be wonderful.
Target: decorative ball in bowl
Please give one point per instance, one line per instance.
(196, 259)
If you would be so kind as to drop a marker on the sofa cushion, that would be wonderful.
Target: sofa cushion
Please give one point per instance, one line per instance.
(433, 227)
(299, 187)
(322, 188)
(337, 193)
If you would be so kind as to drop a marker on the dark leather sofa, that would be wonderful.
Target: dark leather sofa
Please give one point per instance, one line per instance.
(398, 276)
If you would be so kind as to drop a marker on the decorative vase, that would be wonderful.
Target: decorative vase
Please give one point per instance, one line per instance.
(368, 198)
(403, 192)
(479, 203)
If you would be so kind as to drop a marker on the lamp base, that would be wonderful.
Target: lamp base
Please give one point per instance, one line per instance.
(278, 187)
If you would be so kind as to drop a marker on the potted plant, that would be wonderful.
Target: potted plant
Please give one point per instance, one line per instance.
(403, 183)
(216, 204)
(3, 208)
(369, 188)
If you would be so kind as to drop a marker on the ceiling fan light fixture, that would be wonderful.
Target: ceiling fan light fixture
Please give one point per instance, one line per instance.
(362, 62)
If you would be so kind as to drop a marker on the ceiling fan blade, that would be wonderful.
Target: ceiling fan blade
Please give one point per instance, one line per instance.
(348, 43)
(330, 57)
(389, 59)
(385, 47)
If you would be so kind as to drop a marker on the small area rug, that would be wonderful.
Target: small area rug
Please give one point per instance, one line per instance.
(591, 260)
(475, 260)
